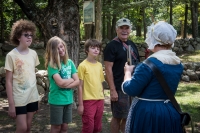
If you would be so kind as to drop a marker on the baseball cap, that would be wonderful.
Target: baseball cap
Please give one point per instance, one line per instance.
(123, 21)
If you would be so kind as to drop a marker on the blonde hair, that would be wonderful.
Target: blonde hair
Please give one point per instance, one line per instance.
(52, 57)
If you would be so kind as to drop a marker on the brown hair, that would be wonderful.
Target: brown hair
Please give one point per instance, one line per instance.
(52, 56)
(19, 27)
(92, 43)
(166, 46)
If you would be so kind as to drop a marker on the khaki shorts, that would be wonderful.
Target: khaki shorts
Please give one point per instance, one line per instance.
(60, 114)
(121, 107)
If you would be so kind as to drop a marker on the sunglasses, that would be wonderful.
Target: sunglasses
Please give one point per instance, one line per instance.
(28, 35)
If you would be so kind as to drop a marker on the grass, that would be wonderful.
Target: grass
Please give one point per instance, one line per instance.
(190, 56)
(188, 98)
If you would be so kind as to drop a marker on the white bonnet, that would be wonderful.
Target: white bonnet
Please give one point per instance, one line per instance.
(160, 33)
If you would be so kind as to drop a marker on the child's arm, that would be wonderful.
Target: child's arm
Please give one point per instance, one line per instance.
(62, 82)
(80, 98)
(9, 91)
(103, 89)
(75, 82)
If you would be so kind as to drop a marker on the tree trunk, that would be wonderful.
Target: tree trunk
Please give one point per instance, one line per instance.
(138, 25)
(113, 28)
(14, 13)
(1, 22)
(144, 22)
(89, 31)
(104, 23)
(182, 28)
(59, 18)
(185, 21)
(194, 15)
(108, 16)
(98, 24)
(108, 27)
(171, 12)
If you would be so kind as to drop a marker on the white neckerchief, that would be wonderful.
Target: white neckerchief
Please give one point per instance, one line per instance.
(166, 57)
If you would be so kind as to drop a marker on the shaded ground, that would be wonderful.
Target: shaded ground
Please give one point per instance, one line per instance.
(40, 123)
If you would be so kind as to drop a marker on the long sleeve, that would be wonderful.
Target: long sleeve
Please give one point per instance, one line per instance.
(140, 79)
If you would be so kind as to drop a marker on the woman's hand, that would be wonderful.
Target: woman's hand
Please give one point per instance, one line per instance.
(128, 68)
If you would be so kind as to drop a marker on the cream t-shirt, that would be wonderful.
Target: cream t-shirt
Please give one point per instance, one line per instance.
(24, 77)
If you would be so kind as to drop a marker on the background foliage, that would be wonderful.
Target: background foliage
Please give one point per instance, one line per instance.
(141, 14)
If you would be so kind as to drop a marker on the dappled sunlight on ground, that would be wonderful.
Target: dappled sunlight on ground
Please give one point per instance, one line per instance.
(40, 123)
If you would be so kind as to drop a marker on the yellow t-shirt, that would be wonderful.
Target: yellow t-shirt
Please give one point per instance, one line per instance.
(24, 77)
(92, 76)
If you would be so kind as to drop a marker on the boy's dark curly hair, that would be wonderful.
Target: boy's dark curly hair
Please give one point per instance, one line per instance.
(19, 27)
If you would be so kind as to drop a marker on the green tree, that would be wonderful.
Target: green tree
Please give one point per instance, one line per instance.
(9, 13)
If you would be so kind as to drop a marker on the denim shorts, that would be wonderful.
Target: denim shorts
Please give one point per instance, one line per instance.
(31, 107)
(121, 107)
(60, 114)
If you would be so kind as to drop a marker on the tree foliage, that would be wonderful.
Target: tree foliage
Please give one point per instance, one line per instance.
(140, 12)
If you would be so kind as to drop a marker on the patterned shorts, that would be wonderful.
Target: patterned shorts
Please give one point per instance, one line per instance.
(121, 107)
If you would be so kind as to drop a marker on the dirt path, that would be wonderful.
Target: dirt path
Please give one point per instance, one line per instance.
(40, 123)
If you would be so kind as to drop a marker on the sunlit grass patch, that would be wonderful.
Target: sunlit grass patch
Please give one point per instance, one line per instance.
(188, 96)
(190, 56)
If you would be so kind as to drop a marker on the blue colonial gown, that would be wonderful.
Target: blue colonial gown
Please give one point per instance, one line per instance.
(146, 116)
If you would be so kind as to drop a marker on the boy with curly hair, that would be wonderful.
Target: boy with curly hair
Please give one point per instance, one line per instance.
(21, 87)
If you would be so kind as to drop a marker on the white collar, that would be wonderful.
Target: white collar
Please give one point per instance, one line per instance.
(166, 57)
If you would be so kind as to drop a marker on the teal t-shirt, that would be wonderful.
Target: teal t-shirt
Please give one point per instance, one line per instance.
(57, 95)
